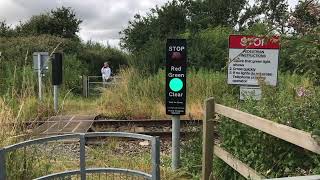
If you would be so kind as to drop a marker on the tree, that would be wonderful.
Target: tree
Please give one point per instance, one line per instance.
(36, 25)
(64, 22)
(172, 18)
(179, 16)
(61, 22)
(274, 13)
(160, 23)
(306, 17)
(213, 13)
(138, 32)
(5, 30)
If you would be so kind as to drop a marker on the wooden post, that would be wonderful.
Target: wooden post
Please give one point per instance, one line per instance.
(208, 138)
(85, 85)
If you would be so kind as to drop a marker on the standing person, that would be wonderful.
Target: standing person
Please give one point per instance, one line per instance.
(106, 73)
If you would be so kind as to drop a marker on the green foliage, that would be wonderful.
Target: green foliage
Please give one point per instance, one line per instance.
(310, 64)
(208, 48)
(275, 14)
(205, 14)
(5, 30)
(25, 165)
(204, 83)
(257, 29)
(93, 55)
(141, 96)
(269, 155)
(39, 24)
(151, 58)
(14, 49)
(162, 22)
(61, 22)
(16, 70)
(208, 25)
(64, 22)
(171, 18)
(301, 55)
(73, 69)
(80, 59)
(306, 17)
(176, 17)
(191, 155)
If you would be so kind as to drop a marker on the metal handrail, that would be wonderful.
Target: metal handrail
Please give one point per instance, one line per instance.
(115, 77)
(122, 134)
(96, 170)
(155, 155)
(38, 141)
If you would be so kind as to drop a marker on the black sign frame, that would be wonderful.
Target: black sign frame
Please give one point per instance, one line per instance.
(176, 73)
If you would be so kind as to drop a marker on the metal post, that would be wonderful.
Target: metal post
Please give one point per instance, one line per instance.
(83, 157)
(155, 156)
(208, 139)
(2, 165)
(88, 85)
(175, 142)
(39, 77)
(55, 98)
(85, 85)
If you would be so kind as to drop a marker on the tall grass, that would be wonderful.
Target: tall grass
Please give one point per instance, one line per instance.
(140, 96)
(19, 94)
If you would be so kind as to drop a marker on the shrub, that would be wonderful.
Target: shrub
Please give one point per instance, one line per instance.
(95, 54)
(209, 48)
(271, 156)
(151, 58)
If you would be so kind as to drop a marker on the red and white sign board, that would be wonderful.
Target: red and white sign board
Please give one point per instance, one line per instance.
(252, 58)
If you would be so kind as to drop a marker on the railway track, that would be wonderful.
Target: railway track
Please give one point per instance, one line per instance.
(154, 127)
(158, 127)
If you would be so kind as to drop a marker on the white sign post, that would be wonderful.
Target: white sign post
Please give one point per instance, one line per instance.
(252, 58)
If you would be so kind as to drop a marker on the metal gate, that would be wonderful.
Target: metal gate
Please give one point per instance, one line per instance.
(83, 172)
(92, 85)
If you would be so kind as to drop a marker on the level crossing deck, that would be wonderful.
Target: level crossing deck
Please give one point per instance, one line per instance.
(66, 124)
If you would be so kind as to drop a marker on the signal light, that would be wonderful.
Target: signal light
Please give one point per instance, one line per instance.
(176, 84)
(176, 56)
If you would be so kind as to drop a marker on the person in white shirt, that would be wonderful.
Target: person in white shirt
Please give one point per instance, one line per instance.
(106, 73)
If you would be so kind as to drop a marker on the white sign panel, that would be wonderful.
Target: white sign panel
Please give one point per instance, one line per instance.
(252, 59)
(247, 92)
(44, 57)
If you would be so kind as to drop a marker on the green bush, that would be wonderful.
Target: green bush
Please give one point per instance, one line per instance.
(271, 156)
(79, 59)
(151, 58)
(209, 48)
(303, 54)
(16, 48)
(94, 55)
(16, 61)
(73, 68)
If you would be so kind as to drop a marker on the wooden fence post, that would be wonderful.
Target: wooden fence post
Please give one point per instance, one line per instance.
(208, 138)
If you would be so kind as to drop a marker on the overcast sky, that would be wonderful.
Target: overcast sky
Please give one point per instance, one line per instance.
(102, 19)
